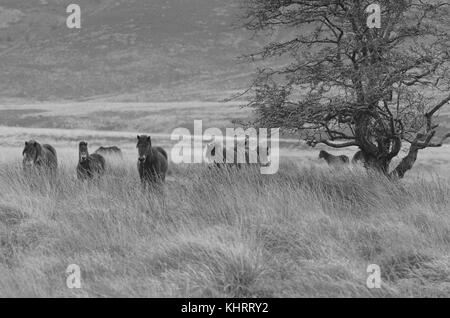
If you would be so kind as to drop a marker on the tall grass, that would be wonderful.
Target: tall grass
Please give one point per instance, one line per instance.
(209, 233)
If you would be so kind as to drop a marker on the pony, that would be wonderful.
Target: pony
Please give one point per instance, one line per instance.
(109, 151)
(89, 166)
(40, 156)
(262, 154)
(213, 150)
(333, 160)
(359, 157)
(152, 161)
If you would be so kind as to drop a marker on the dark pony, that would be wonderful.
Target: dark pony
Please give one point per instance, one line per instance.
(152, 161)
(262, 154)
(41, 156)
(109, 151)
(359, 157)
(89, 166)
(333, 160)
(213, 149)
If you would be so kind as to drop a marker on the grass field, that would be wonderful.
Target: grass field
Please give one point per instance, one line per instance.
(300, 233)
(306, 231)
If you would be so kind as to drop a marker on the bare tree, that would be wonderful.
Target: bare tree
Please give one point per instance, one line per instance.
(338, 82)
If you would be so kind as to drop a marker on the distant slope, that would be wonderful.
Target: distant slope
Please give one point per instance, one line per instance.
(139, 50)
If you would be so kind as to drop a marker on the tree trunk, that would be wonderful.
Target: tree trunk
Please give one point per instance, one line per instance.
(382, 164)
(376, 157)
(406, 164)
(378, 163)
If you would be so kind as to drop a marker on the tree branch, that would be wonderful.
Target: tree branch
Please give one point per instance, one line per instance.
(440, 143)
(341, 145)
(430, 114)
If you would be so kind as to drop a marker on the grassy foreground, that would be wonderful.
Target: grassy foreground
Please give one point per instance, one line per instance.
(300, 233)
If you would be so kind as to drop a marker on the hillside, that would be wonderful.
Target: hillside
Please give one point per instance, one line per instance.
(134, 51)
(137, 49)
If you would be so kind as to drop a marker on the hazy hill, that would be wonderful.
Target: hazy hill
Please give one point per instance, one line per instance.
(138, 49)
(126, 51)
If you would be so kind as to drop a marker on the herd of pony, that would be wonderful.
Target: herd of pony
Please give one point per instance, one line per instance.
(152, 162)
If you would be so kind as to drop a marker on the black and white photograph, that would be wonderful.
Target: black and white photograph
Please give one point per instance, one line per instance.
(224, 153)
